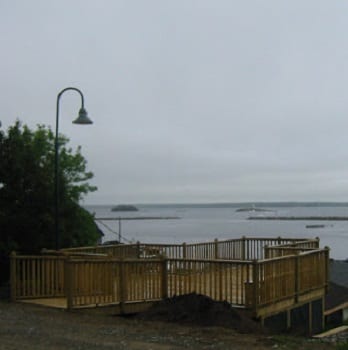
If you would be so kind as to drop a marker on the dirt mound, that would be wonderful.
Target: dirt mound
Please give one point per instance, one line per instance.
(200, 310)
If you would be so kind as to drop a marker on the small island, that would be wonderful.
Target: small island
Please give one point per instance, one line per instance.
(124, 207)
(251, 209)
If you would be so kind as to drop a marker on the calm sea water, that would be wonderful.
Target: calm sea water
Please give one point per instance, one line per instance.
(201, 223)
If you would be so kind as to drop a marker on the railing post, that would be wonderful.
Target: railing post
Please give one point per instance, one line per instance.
(68, 282)
(216, 246)
(164, 278)
(297, 275)
(123, 285)
(243, 248)
(256, 296)
(184, 250)
(220, 269)
(13, 276)
(327, 269)
(138, 250)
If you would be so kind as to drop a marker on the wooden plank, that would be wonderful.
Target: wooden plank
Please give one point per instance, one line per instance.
(60, 303)
(336, 308)
(274, 308)
(331, 332)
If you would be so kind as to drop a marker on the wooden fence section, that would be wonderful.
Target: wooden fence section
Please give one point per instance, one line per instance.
(218, 279)
(289, 279)
(37, 276)
(111, 281)
(136, 250)
(117, 251)
(90, 281)
(291, 248)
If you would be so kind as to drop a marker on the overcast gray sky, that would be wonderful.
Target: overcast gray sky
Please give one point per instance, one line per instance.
(192, 101)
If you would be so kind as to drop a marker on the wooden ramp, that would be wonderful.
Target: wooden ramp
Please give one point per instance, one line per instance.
(331, 332)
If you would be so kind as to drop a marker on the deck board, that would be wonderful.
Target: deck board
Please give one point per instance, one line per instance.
(59, 303)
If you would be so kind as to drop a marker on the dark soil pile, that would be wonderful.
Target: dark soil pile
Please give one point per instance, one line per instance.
(200, 310)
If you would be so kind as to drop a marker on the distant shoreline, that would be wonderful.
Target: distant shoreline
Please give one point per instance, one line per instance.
(272, 204)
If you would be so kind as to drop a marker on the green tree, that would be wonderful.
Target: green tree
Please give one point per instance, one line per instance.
(27, 192)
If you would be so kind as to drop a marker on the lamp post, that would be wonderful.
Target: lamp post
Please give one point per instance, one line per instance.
(81, 119)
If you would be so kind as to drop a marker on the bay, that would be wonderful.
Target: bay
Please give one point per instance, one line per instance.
(205, 222)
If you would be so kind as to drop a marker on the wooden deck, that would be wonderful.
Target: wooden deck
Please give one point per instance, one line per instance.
(294, 271)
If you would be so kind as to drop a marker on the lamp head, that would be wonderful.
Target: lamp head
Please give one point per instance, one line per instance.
(83, 118)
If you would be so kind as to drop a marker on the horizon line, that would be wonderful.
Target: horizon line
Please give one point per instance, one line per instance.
(225, 202)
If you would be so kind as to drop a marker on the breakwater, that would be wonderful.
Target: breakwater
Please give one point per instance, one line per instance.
(320, 218)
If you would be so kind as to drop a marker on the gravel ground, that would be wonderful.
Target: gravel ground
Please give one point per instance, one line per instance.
(27, 326)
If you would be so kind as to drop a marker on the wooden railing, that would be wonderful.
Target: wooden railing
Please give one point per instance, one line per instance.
(253, 248)
(89, 281)
(219, 279)
(293, 271)
(290, 277)
(234, 249)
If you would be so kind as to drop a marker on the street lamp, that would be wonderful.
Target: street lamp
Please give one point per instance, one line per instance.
(81, 119)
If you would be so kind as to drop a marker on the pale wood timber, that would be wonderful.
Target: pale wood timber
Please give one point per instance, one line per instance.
(125, 274)
(331, 332)
(337, 308)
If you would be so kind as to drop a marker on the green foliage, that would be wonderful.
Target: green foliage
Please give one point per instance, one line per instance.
(27, 192)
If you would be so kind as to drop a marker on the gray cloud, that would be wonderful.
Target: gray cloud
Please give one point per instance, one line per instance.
(192, 100)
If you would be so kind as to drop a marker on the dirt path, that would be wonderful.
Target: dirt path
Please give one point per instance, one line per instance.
(30, 327)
